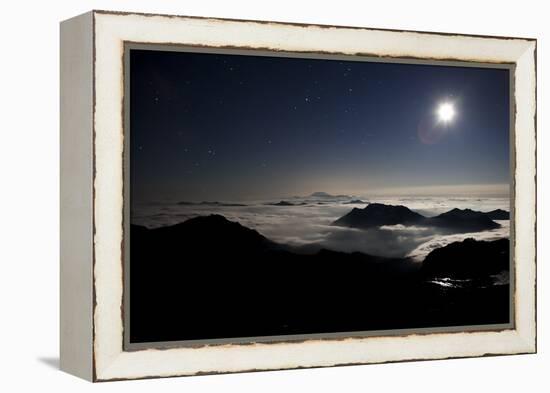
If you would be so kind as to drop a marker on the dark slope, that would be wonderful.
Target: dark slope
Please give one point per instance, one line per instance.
(209, 231)
(468, 259)
(355, 202)
(498, 214)
(320, 194)
(212, 278)
(286, 203)
(211, 203)
(463, 220)
(378, 214)
(465, 281)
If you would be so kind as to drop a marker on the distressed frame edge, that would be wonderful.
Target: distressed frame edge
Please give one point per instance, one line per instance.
(526, 338)
(76, 204)
(526, 138)
(305, 25)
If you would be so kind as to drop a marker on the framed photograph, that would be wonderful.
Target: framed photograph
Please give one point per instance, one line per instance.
(245, 195)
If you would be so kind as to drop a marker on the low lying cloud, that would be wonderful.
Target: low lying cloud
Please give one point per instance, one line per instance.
(437, 241)
(308, 226)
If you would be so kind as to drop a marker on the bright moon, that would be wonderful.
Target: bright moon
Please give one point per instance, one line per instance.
(446, 112)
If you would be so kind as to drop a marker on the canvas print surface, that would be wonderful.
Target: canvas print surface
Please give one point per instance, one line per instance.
(275, 196)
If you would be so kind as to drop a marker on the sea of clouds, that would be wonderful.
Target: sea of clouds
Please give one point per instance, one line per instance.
(308, 228)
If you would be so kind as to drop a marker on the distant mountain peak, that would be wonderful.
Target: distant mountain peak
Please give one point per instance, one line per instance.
(216, 219)
(465, 220)
(461, 213)
(210, 203)
(215, 228)
(286, 203)
(498, 214)
(355, 202)
(322, 194)
(378, 214)
(462, 259)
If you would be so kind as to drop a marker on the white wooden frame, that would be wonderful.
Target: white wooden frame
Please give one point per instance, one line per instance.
(92, 189)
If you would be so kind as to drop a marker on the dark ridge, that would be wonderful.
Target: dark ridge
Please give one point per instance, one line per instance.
(208, 231)
(286, 203)
(464, 220)
(209, 277)
(498, 214)
(378, 214)
(355, 202)
(320, 194)
(210, 203)
(468, 259)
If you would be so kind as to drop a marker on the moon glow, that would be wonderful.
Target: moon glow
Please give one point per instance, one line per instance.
(446, 112)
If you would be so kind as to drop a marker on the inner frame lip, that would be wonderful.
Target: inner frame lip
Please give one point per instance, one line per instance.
(128, 46)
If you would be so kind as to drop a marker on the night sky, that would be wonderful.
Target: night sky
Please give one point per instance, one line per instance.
(234, 127)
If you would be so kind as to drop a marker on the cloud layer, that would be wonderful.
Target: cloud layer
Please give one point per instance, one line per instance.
(308, 226)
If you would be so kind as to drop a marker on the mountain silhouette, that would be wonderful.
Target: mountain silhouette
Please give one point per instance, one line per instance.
(286, 203)
(464, 220)
(209, 277)
(321, 194)
(468, 259)
(202, 232)
(355, 202)
(211, 203)
(498, 214)
(378, 214)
